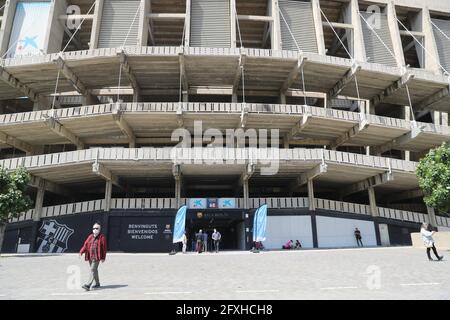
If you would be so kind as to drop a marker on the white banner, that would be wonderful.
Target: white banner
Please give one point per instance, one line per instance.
(29, 29)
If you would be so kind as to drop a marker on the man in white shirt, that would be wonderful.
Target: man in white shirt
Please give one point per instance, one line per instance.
(216, 236)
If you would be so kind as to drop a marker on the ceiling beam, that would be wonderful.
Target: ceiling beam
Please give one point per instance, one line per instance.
(70, 76)
(293, 75)
(403, 139)
(348, 77)
(308, 175)
(23, 88)
(100, 170)
(404, 195)
(123, 125)
(433, 99)
(300, 126)
(62, 131)
(397, 85)
(184, 77)
(371, 182)
(247, 174)
(238, 75)
(353, 132)
(16, 143)
(51, 187)
(130, 75)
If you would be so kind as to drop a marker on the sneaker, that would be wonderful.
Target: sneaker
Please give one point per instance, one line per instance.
(429, 259)
(440, 258)
(96, 286)
(86, 287)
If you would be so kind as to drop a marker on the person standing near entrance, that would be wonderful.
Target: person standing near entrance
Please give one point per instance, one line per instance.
(199, 240)
(358, 237)
(427, 237)
(184, 242)
(205, 241)
(94, 250)
(216, 236)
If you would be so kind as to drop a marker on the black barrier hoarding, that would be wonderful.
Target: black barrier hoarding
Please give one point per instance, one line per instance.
(65, 233)
(140, 233)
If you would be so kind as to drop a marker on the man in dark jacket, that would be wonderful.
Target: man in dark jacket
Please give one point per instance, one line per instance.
(94, 250)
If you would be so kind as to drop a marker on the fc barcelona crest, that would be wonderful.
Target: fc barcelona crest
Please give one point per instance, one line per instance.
(53, 237)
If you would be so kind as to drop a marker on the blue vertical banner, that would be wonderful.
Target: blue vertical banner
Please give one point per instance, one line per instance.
(180, 224)
(259, 224)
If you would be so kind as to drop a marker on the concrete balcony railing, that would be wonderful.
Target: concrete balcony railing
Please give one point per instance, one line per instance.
(272, 203)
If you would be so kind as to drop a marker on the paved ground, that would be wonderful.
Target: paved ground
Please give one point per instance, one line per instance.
(376, 273)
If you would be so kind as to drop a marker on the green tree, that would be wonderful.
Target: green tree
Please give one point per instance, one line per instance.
(13, 199)
(433, 173)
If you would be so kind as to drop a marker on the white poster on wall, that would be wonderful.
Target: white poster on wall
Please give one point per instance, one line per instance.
(29, 29)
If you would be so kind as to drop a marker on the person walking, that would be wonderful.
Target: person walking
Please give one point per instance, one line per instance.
(199, 240)
(216, 236)
(94, 250)
(428, 241)
(358, 237)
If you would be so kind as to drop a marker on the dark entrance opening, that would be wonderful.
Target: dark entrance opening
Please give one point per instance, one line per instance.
(230, 224)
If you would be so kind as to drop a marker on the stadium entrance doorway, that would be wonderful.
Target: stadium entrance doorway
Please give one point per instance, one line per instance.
(230, 224)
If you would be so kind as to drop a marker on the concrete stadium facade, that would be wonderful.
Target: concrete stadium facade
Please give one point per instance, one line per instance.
(96, 96)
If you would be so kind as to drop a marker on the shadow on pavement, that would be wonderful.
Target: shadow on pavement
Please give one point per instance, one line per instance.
(112, 286)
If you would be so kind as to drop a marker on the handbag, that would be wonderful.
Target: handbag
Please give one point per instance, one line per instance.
(428, 243)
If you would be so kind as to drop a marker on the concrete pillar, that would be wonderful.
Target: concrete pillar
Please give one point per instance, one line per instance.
(143, 23)
(282, 98)
(37, 214)
(286, 142)
(395, 34)
(6, 25)
(187, 32)
(357, 43)
(54, 39)
(178, 191)
(108, 195)
(90, 100)
(444, 119)
(432, 57)
(96, 24)
(317, 15)
(246, 194)
(312, 202)
(373, 202)
(275, 28)
(39, 200)
(37, 106)
(368, 108)
(407, 116)
(436, 117)
(233, 22)
(432, 216)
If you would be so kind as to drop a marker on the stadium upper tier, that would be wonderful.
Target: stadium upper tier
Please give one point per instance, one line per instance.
(156, 71)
